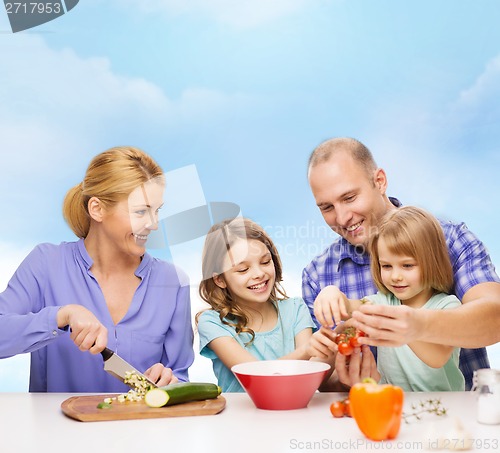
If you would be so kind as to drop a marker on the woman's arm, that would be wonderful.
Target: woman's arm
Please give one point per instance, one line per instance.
(25, 323)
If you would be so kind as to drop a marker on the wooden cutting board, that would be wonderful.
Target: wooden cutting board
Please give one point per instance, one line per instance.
(84, 409)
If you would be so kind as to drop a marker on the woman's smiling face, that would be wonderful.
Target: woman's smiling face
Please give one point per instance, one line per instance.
(129, 223)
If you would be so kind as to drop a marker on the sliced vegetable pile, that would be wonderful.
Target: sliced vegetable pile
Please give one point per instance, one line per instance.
(137, 393)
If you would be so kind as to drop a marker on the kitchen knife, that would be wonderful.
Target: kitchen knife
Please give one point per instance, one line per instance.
(118, 367)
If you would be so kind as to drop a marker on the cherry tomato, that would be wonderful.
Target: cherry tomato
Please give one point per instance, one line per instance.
(341, 337)
(345, 348)
(347, 408)
(337, 408)
(353, 341)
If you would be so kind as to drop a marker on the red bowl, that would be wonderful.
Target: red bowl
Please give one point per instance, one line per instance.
(281, 384)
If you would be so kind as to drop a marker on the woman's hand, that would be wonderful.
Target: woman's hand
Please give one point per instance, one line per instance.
(160, 375)
(354, 368)
(330, 306)
(86, 330)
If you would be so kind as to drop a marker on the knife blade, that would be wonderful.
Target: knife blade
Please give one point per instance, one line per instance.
(118, 367)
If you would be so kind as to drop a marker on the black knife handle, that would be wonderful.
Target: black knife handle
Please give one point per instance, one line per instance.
(106, 353)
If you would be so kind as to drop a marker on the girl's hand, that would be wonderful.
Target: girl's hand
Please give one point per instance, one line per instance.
(160, 375)
(86, 330)
(322, 344)
(330, 306)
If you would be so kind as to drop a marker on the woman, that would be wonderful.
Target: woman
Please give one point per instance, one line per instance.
(102, 290)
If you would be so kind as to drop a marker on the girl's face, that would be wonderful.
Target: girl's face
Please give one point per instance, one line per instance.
(130, 221)
(250, 273)
(401, 275)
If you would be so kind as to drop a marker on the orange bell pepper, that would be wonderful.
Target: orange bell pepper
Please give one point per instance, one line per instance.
(377, 409)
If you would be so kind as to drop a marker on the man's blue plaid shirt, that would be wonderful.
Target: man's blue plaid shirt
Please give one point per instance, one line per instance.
(348, 268)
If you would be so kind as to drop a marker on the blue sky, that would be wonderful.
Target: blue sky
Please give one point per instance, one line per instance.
(240, 92)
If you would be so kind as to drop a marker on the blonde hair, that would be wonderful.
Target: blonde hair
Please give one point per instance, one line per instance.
(111, 176)
(354, 148)
(413, 232)
(218, 243)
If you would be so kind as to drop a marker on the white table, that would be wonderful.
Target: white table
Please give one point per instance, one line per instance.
(35, 423)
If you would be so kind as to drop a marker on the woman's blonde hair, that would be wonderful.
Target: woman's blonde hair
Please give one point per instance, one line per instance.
(218, 243)
(111, 176)
(413, 232)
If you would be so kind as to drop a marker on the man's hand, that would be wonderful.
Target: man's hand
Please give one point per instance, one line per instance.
(354, 368)
(388, 325)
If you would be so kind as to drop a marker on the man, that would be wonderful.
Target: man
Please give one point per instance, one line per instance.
(350, 191)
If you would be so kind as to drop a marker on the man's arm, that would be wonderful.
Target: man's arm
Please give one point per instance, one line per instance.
(474, 324)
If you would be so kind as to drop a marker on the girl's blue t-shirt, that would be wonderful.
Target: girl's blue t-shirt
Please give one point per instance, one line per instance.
(293, 318)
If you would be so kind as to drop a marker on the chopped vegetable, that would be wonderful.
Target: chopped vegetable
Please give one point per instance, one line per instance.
(140, 387)
(139, 383)
(104, 405)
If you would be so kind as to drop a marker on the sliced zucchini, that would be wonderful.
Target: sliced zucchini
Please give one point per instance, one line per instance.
(181, 392)
(156, 397)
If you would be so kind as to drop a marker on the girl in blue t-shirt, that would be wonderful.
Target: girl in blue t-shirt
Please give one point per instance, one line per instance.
(251, 318)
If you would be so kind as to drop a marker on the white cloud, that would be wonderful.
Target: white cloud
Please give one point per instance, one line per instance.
(57, 93)
(445, 157)
(238, 14)
(41, 81)
(475, 114)
(59, 87)
(484, 92)
(443, 146)
(54, 104)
